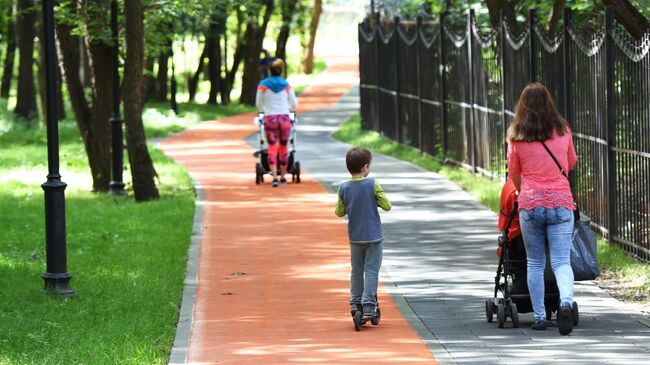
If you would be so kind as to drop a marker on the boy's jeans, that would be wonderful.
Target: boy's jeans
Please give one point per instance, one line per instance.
(556, 226)
(366, 261)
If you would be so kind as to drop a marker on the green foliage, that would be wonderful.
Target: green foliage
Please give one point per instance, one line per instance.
(588, 13)
(631, 275)
(127, 259)
(617, 265)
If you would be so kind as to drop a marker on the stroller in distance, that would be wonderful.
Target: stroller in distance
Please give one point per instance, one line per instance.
(262, 167)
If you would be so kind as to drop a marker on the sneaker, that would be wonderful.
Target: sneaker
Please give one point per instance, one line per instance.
(539, 326)
(355, 308)
(369, 310)
(283, 181)
(565, 319)
(275, 183)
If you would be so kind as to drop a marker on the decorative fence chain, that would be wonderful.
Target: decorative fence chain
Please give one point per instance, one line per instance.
(453, 96)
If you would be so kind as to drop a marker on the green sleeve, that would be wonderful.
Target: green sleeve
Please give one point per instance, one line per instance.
(382, 199)
(340, 206)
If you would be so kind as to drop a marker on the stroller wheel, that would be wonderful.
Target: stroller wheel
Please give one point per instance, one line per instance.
(501, 315)
(514, 315)
(296, 170)
(574, 314)
(489, 309)
(259, 173)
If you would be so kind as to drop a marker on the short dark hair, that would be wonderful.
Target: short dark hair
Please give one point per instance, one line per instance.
(357, 158)
(277, 67)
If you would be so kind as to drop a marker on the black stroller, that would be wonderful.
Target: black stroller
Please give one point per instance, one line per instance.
(511, 282)
(262, 167)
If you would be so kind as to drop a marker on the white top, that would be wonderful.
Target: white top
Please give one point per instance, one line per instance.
(274, 103)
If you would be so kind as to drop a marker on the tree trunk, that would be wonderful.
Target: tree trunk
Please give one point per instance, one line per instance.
(10, 55)
(84, 62)
(212, 44)
(225, 98)
(313, 27)
(162, 79)
(26, 95)
(238, 56)
(142, 169)
(193, 83)
(556, 15)
(251, 75)
(288, 11)
(631, 18)
(495, 7)
(230, 76)
(102, 110)
(95, 137)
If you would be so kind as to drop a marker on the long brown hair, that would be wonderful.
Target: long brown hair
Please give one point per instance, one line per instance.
(536, 116)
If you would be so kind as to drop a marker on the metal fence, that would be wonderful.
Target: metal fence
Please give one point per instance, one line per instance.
(452, 94)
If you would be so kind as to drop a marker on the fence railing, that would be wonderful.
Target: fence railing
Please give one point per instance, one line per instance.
(452, 95)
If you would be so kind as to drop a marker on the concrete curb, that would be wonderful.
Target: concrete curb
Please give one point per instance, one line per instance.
(181, 344)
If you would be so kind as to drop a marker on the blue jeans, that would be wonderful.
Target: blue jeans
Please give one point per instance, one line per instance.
(366, 261)
(554, 225)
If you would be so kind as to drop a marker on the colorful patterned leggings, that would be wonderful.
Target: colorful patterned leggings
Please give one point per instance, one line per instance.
(277, 129)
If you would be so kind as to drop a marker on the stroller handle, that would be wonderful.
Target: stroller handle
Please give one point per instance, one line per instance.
(259, 119)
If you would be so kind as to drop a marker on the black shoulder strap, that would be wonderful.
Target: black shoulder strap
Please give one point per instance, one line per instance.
(576, 212)
(555, 160)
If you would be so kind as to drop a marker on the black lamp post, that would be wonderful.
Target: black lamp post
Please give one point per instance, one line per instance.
(116, 186)
(57, 278)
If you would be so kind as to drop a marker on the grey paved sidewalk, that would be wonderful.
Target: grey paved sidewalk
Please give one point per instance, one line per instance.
(440, 263)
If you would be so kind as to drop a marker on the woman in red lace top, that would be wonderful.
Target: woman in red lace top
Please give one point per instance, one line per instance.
(545, 200)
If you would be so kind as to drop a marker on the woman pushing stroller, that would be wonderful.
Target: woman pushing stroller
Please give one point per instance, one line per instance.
(276, 99)
(538, 137)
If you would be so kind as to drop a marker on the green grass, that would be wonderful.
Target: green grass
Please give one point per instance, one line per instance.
(160, 120)
(127, 259)
(615, 264)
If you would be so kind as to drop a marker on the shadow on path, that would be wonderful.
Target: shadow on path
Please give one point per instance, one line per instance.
(440, 254)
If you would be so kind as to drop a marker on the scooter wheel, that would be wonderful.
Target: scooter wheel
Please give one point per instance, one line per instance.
(375, 320)
(357, 321)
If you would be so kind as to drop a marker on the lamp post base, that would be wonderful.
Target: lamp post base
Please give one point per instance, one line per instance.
(58, 284)
(116, 188)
